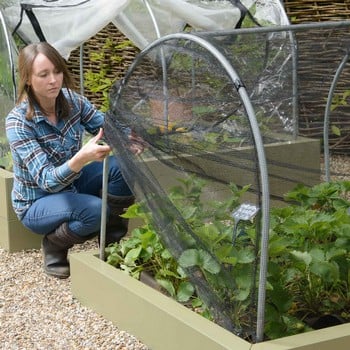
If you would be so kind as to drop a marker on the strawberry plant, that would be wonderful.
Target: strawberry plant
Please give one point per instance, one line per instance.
(308, 268)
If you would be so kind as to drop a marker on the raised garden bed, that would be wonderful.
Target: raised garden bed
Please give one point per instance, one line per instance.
(162, 323)
(289, 162)
(13, 235)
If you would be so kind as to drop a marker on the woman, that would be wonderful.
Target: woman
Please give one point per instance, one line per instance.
(57, 181)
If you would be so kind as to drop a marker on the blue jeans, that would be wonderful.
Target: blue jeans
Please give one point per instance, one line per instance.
(81, 209)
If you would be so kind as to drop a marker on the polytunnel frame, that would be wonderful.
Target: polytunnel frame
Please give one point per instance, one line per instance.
(327, 114)
(10, 55)
(259, 149)
(290, 29)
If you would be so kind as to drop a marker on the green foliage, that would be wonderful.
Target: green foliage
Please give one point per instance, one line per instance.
(309, 255)
(5, 154)
(339, 99)
(311, 261)
(5, 74)
(6, 161)
(110, 55)
(143, 252)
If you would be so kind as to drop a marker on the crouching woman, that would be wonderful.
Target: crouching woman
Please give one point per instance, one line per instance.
(57, 180)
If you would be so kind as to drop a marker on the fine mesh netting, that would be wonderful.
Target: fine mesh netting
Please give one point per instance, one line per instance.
(201, 177)
(196, 126)
(196, 129)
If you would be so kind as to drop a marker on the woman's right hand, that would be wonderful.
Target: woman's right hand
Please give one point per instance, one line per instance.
(91, 151)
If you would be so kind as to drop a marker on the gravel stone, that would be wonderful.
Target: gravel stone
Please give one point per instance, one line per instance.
(339, 168)
(39, 312)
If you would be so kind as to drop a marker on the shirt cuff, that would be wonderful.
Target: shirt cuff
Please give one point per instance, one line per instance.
(66, 175)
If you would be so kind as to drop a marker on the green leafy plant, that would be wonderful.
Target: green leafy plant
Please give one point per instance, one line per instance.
(208, 223)
(339, 99)
(312, 258)
(110, 55)
(5, 154)
(308, 268)
(143, 253)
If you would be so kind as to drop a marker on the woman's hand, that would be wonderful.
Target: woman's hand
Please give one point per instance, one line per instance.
(91, 151)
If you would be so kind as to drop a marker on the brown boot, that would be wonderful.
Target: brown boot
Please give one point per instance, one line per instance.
(117, 227)
(55, 247)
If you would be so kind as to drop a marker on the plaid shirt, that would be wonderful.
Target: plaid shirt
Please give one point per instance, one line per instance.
(41, 150)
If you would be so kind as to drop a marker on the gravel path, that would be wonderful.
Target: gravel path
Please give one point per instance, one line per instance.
(39, 312)
(339, 168)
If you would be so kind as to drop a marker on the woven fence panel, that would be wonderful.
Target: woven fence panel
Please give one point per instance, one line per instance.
(316, 11)
(116, 54)
(313, 97)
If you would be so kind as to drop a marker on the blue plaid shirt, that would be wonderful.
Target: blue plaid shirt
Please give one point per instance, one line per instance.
(41, 150)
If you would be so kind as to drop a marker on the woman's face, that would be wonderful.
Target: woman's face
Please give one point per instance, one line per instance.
(46, 81)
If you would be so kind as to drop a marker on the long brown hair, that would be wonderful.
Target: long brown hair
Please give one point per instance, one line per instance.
(25, 64)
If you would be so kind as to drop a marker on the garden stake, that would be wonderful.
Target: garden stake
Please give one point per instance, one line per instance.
(104, 208)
